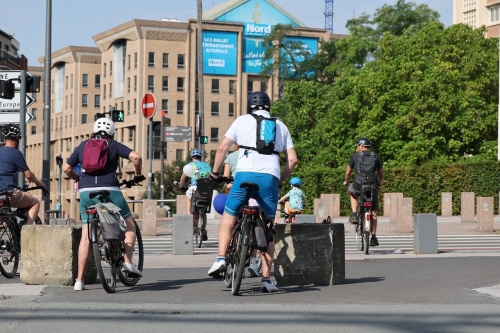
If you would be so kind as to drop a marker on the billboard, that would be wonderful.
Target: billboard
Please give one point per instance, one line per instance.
(220, 52)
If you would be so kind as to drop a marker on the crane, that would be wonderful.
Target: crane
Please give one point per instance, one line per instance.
(329, 15)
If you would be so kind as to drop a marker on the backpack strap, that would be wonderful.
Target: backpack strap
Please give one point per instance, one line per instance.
(255, 149)
(256, 116)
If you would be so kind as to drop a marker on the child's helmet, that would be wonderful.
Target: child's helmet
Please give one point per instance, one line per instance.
(295, 181)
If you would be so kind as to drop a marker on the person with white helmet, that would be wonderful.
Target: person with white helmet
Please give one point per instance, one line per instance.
(104, 128)
(12, 161)
(202, 170)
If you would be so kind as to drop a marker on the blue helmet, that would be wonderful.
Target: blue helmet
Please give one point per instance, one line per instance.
(195, 152)
(295, 181)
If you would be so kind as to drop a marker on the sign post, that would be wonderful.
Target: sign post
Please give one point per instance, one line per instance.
(148, 110)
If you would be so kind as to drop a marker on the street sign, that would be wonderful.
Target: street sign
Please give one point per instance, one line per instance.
(13, 117)
(178, 134)
(9, 75)
(15, 103)
(148, 105)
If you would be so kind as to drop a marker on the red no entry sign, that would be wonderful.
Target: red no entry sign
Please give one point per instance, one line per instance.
(148, 105)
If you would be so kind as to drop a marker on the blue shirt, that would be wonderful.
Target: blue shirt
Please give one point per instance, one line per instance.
(295, 196)
(203, 168)
(11, 162)
(108, 176)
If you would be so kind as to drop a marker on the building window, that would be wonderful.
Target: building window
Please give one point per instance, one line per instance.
(180, 107)
(68, 144)
(66, 102)
(84, 118)
(135, 105)
(131, 133)
(215, 86)
(84, 100)
(71, 81)
(34, 112)
(135, 82)
(66, 82)
(212, 155)
(180, 84)
(33, 129)
(97, 101)
(151, 59)
(231, 109)
(151, 83)
(249, 87)
(98, 81)
(110, 68)
(165, 60)
(110, 90)
(215, 108)
(65, 121)
(128, 84)
(128, 107)
(179, 154)
(104, 69)
(494, 14)
(263, 86)
(196, 84)
(180, 61)
(196, 107)
(85, 80)
(71, 101)
(128, 61)
(164, 83)
(164, 105)
(104, 92)
(214, 134)
(232, 86)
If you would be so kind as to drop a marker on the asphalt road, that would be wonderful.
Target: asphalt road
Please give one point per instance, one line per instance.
(379, 295)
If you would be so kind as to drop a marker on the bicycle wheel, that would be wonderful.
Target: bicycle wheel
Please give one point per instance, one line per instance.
(230, 258)
(138, 260)
(366, 241)
(9, 250)
(240, 259)
(359, 236)
(38, 220)
(106, 268)
(197, 222)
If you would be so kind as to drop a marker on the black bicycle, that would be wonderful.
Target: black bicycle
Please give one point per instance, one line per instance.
(11, 222)
(365, 216)
(109, 255)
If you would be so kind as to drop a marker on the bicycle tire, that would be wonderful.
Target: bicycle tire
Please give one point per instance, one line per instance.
(359, 237)
(107, 275)
(9, 247)
(197, 237)
(228, 272)
(366, 241)
(240, 260)
(38, 221)
(127, 280)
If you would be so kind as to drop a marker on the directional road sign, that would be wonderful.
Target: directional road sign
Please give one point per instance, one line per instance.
(15, 103)
(178, 134)
(8, 75)
(148, 105)
(13, 117)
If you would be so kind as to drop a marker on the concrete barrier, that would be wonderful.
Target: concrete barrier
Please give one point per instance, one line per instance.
(50, 255)
(305, 218)
(404, 223)
(181, 205)
(485, 214)
(467, 206)
(309, 254)
(446, 204)
(395, 207)
(149, 218)
(332, 200)
(387, 204)
(322, 209)
(425, 235)
(182, 234)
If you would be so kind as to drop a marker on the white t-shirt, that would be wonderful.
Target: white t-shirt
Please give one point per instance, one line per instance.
(243, 131)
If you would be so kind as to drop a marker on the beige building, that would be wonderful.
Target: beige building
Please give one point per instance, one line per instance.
(130, 60)
(477, 13)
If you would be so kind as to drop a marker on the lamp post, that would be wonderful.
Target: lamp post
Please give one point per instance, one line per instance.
(59, 162)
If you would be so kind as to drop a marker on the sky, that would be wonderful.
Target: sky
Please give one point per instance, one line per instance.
(75, 22)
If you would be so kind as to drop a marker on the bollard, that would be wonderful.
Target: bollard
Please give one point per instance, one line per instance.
(322, 209)
(446, 204)
(149, 217)
(404, 223)
(467, 209)
(182, 234)
(181, 204)
(333, 200)
(485, 214)
(387, 204)
(425, 235)
(394, 217)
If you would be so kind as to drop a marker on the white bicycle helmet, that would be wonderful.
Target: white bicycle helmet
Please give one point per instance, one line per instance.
(104, 125)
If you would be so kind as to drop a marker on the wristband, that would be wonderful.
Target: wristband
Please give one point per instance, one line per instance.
(216, 173)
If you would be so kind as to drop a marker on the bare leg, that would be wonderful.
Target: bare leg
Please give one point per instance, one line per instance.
(188, 201)
(83, 252)
(129, 239)
(374, 222)
(225, 228)
(267, 260)
(33, 213)
(354, 204)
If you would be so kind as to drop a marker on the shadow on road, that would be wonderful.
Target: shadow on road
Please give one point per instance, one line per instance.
(364, 280)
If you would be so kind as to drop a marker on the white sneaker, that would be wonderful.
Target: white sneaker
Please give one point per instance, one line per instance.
(79, 285)
(252, 269)
(268, 287)
(129, 267)
(217, 267)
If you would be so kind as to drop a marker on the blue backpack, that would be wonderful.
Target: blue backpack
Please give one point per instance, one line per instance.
(266, 135)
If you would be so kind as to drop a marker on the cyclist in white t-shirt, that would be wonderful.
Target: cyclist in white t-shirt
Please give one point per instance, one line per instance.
(254, 167)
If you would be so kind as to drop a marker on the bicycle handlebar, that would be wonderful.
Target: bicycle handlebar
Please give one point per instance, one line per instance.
(221, 179)
(26, 189)
(133, 182)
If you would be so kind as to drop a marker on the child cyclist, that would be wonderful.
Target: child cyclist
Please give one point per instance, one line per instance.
(297, 198)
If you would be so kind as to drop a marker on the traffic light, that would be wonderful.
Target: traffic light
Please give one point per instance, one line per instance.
(33, 84)
(204, 140)
(118, 116)
(7, 89)
(99, 115)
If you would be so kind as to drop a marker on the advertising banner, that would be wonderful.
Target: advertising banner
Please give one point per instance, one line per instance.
(220, 52)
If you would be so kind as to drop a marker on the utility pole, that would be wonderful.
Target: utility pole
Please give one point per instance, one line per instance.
(22, 124)
(201, 91)
(46, 102)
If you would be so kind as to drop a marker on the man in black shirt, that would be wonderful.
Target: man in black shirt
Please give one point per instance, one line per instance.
(372, 164)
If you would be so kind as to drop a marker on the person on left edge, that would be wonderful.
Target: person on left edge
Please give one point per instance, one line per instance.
(106, 180)
(12, 161)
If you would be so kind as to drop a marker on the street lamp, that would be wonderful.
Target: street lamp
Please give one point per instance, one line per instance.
(59, 162)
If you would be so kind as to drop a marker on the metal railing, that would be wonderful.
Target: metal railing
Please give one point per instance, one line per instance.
(9, 57)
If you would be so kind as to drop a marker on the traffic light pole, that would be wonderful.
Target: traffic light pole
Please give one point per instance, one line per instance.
(201, 91)
(150, 159)
(162, 158)
(46, 102)
(22, 124)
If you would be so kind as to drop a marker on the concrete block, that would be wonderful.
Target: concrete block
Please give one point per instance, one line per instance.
(425, 236)
(182, 234)
(322, 209)
(50, 255)
(387, 204)
(161, 212)
(309, 254)
(149, 217)
(404, 223)
(467, 206)
(394, 216)
(305, 218)
(181, 204)
(485, 209)
(334, 201)
(446, 204)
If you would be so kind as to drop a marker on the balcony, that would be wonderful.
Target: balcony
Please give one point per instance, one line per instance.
(10, 58)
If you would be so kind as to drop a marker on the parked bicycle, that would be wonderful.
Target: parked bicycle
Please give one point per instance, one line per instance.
(365, 216)
(109, 255)
(11, 222)
(201, 205)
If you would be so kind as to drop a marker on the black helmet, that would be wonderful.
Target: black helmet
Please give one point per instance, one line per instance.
(365, 142)
(258, 101)
(11, 131)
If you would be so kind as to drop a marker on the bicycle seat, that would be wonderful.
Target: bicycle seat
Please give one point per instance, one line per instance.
(250, 186)
(94, 194)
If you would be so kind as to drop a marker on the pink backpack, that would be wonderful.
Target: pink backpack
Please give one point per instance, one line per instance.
(95, 156)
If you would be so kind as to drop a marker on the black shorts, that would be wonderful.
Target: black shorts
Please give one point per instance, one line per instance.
(354, 190)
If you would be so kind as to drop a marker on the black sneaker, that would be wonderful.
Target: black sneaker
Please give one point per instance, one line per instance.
(204, 235)
(374, 241)
(353, 219)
